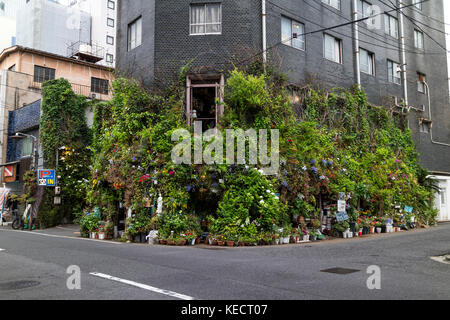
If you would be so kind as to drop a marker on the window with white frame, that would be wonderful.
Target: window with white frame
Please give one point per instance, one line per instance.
(421, 79)
(109, 58)
(205, 19)
(332, 48)
(367, 61)
(334, 3)
(391, 25)
(394, 72)
(111, 5)
(135, 34)
(418, 39)
(292, 33)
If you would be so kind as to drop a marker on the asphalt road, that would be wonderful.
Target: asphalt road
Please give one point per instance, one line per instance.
(34, 266)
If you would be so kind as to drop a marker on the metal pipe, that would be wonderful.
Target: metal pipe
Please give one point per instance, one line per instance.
(264, 31)
(431, 119)
(403, 52)
(356, 42)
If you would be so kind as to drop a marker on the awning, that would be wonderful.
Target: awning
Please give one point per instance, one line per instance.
(9, 164)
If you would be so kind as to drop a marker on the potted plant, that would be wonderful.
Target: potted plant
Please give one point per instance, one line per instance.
(101, 231)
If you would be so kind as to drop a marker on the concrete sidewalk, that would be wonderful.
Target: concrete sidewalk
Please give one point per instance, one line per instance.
(70, 230)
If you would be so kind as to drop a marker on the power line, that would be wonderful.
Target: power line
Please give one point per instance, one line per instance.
(395, 46)
(407, 17)
(392, 47)
(429, 17)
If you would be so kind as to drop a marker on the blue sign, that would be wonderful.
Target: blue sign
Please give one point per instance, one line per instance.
(47, 178)
(409, 209)
(341, 216)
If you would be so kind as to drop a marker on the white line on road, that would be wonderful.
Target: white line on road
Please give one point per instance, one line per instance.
(143, 286)
(62, 237)
(2, 250)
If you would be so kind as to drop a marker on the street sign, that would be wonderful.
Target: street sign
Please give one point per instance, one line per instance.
(47, 178)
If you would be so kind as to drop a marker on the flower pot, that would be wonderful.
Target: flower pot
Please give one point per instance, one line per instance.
(92, 235)
(181, 243)
(210, 241)
(101, 236)
(215, 243)
(306, 238)
(241, 244)
(230, 243)
(379, 229)
(163, 242)
(171, 243)
(198, 240)
(220, 243)
(193, 242)
(277, 241)
(365, 231)
(372, 230)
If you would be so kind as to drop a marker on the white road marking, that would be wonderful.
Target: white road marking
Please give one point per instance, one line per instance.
(2, 250)
(143, 286)
(62, 237)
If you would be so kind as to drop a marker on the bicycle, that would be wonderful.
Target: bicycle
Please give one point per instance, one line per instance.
(22, 221)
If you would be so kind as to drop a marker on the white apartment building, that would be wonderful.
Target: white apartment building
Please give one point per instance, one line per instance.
(104, 25)
(8, 14)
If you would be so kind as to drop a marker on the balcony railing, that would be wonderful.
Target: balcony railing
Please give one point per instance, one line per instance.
(78, 89)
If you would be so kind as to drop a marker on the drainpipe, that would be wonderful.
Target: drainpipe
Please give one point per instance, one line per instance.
(431, 119)
(403, 51)
(356, 42)
(264, 32)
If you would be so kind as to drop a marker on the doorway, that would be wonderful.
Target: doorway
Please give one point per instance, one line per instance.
(204, 100)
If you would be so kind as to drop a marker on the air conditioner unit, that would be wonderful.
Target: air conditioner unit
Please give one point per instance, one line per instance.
(92, 95)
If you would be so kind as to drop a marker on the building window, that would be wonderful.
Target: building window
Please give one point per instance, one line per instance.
(109, 58)
(421, 79)
(42, 74)
(334, 3)
(443, 196)
(205, 19)
(391, 25)
(135, 34)
(111, 5)
(332, 48)
(394, 72)
(27, 147)
(364, 9)
(110, 40)
(367, 61)
(292, 33)
(418, 39)
(110, 22)
(99, 85)
(418, 4)
(425, 126)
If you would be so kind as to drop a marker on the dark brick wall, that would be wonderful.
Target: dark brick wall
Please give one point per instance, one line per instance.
(167, 46)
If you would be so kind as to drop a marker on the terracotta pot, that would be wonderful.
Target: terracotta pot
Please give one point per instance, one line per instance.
(171, 243)
(199, 240)
(241, 244)
(163, 242)
(215, 242)
(181, 243)
(220, 243)
(230, 243)
(372, 230)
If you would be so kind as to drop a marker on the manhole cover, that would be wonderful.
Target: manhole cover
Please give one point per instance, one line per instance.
(340, 271)
(17, 285)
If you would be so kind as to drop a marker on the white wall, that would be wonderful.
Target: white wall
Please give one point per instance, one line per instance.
(99, 11)
(52, 27)
(442, 199)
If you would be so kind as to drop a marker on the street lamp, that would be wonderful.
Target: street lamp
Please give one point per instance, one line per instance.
(20, 136)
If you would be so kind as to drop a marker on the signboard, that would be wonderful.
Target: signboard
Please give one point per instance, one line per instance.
(341, 206)
(341, 216)
(47, 178)
(9, 173)
(409, 209)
